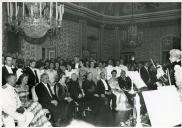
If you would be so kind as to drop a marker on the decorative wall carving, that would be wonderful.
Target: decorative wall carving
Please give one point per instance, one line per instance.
(68, 44)
(78, 11)
(124, 8)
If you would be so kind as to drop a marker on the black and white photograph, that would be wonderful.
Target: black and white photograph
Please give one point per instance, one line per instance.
(90, 64)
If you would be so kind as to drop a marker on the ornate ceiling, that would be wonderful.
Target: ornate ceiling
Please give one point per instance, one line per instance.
(122, 9)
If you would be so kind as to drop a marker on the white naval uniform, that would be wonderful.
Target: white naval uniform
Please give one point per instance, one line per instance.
(10, 102)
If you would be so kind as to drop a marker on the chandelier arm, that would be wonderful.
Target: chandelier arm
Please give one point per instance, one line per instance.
(39, 21)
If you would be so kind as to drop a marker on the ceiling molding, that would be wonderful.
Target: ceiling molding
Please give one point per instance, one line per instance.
(86, 13)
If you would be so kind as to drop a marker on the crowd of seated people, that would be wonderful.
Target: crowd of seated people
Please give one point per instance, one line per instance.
(61, 89)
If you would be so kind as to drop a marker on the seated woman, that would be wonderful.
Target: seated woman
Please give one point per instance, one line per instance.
(67, 104)
(76, 93)
(91, 98)
(121, 99)
(39, 119)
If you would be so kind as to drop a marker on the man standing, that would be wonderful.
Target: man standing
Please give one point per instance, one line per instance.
(7, 69)
(32, 75)
(145, 74)
(132, 64)
(11, 105)
(76, 62)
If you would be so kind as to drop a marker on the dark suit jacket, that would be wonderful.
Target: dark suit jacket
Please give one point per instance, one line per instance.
(100, 89)
(145, 75)
(32, 78)
(89, 88)
(74, 89)
(43, 95)
(126, 84)
(5, 73)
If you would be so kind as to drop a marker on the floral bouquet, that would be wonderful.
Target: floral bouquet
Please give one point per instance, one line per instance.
(131, 122)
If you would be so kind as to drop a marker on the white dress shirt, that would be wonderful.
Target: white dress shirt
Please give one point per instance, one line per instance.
(47, 88)
(39, 73)
(32, 70)
(76, 65)
(105, 84)
(9, 69)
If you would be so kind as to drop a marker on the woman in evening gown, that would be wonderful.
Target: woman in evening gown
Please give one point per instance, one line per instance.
(121, 99)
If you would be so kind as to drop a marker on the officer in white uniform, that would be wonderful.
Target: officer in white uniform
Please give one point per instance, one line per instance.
(10, 104)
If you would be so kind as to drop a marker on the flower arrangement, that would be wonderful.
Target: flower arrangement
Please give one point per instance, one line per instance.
(131, 122)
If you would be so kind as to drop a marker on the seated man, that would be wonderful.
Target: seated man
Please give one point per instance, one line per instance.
(104, 90)
(124, 81)
(125, 84)
(91, 98)
(76, 93)
(12, 107)
(46, 98)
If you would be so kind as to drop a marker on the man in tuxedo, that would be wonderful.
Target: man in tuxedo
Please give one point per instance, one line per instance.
(46, 97)
(32, 75)
(104, 90)
(7, 69)
(132, 65)
(76, 62)
(145, 74)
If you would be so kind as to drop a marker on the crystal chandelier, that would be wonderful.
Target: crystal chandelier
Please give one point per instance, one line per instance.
(134, 35)
(35, 19)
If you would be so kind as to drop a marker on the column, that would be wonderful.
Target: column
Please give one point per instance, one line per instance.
(82, 35)
(100, 42)
(116, 46)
